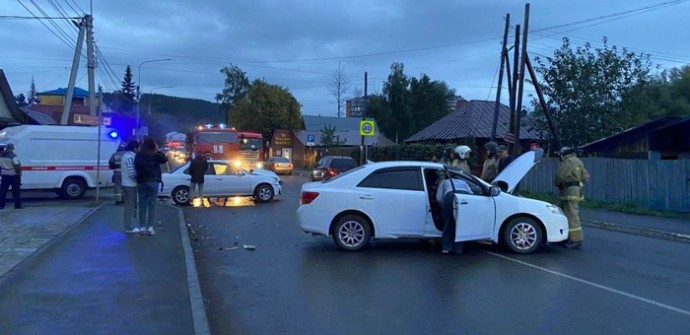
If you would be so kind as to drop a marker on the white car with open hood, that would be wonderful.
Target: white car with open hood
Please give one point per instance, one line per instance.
(397, 199)
(222, 179)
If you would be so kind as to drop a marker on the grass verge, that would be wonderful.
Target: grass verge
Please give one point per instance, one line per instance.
(616, 207)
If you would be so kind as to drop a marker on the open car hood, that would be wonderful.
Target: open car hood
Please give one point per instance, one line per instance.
(517, 169)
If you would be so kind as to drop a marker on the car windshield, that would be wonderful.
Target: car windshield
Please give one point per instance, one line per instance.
(180, 168)
(280, 160)
(250, 144)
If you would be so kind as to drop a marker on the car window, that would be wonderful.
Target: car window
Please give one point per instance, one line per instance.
(340, 163)
(322, 162)
(280, 160)
(395, 178)
(343, 174)
(476, 187)
(217, 169)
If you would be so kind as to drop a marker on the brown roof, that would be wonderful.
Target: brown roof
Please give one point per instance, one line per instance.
(473, 119)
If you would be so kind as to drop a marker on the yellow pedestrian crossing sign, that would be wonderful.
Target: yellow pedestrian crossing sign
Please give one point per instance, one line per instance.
(366, 128)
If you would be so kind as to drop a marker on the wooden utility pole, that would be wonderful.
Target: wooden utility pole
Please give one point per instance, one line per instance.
(518, 106)
(504, 51)
(542, 102)
(516, 61)
(73, 74)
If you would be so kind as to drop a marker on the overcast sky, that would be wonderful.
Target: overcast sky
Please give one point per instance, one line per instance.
(298, 44)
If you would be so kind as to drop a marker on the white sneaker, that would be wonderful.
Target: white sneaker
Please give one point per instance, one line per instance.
(151, 231)
(133, 231)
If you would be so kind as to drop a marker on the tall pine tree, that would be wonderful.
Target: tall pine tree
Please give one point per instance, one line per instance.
(33, 94)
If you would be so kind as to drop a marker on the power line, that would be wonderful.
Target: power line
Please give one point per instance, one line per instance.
(15, 17)
(73, 42)
(44, 24)
(75, 11)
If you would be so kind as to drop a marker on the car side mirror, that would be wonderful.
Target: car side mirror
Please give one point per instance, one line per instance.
(494, 190)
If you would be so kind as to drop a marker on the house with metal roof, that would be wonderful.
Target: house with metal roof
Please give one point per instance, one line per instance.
(663, 138)
(474, 119)
(10, 114)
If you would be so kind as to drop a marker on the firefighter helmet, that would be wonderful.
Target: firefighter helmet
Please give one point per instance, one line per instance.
(463, 151)
(566, 151)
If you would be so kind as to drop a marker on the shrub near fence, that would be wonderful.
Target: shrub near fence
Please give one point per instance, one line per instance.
(656, 184)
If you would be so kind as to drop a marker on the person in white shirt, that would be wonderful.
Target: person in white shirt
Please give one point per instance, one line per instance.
(129, 188)
(445, 198)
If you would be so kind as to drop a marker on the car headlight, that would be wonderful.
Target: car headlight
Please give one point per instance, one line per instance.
(259, 165)
(237, 163)
(554, 209)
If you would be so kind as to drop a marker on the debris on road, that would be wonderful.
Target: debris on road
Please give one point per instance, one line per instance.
(249, 247)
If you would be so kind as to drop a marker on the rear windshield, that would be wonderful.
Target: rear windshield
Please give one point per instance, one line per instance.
(343, 163)
(217, 137)
(280, 160)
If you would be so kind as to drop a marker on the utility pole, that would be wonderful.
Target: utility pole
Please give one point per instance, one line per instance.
(542, 102)
(516, 61)
(363, 148)
(504, 51)
(73, 73)
(523, 63)
(91, 65)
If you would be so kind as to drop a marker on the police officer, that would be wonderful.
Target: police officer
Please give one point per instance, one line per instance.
(490, 167)
(11, 171)
(463, 153)
(115, 163)
(570, 179)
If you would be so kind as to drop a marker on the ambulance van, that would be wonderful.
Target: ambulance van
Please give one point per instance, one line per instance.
(64, 159)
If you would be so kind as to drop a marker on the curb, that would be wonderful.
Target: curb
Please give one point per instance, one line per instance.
(660, 234)
(196, 299)
(50, 243)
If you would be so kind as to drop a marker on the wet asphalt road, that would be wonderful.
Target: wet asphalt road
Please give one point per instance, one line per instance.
(294, 283)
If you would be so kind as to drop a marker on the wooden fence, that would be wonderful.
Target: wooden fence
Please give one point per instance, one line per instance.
(657, 184)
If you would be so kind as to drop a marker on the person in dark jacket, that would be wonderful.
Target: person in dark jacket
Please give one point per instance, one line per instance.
(149, 176)
(197, 169)
(11, 171)
(114, 163)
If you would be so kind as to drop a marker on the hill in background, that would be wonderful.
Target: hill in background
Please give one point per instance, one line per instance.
(168, 113)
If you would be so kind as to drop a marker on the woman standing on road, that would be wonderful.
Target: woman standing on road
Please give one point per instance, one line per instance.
(149, 176)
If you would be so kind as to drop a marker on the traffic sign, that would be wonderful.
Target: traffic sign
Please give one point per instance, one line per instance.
(366, 128)
(310, 140)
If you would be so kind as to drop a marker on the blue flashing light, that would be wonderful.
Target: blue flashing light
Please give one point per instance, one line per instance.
(113, 134)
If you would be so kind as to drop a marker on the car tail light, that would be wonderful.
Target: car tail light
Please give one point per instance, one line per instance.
(331, 171)
(308, 197)
(290, 165)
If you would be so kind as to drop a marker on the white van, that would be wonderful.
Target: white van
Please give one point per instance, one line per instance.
(62, 158)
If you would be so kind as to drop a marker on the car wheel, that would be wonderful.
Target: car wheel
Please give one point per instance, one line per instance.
(73, 188)
(522, 235)
(352, 233)
(180, 195)
(263, 193)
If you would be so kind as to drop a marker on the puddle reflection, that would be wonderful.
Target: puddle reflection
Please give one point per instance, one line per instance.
(223, 202)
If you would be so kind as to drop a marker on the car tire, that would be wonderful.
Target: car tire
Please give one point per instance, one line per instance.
(180, 196)
(264, 193)
(73, 188)
(289, 173)
(352, 232)
(522, 235)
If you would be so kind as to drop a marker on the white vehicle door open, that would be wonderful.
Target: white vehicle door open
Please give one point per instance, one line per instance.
(475, 216)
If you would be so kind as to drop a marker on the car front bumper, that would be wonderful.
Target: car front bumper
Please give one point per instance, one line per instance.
(557, 228)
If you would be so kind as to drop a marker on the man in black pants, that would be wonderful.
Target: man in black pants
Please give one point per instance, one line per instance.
(11, 171)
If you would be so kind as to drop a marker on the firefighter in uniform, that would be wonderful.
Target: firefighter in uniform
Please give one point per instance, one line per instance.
(490, 167)
(570, 179)
(114, 163)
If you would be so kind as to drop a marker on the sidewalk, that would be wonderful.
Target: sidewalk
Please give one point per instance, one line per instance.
(72, 270)
(652, 226)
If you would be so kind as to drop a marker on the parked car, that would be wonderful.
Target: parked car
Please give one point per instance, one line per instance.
(396, 199)
(279, 165)
(330, 166)
(222, 179)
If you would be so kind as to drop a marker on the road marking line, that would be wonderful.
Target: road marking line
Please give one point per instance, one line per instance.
(610, 289)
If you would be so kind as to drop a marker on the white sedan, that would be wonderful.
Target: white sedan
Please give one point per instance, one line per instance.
(396, 199)
(222, 180)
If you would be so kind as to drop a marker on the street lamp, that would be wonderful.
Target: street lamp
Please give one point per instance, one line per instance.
(151, 94)
(139, 87)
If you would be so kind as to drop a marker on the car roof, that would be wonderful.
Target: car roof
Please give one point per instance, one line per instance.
(406, 163)
(338, 157)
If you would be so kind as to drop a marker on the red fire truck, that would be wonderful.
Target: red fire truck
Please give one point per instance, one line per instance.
(244, 149)
(251, 148)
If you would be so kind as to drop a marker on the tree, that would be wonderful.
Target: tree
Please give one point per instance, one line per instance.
(125, 100)
(338, 86)
(236, 87)
(428, 101)
(585, 88)
(33, 98)
(396, 90)
(329, 138)
(21, 100)
(265, 108)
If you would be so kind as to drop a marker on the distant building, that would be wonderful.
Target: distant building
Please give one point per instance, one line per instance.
(355, 107)
(455, 102)
(52, 104)
(10, 114)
